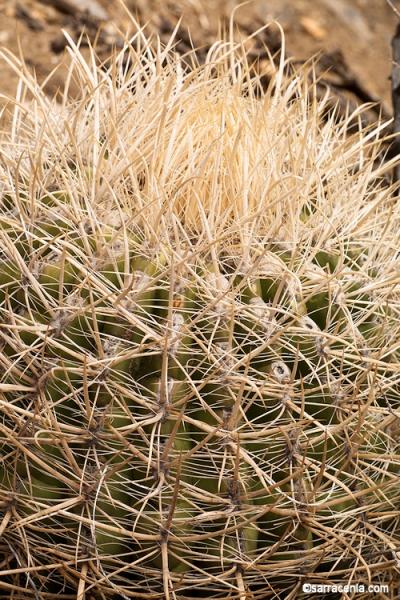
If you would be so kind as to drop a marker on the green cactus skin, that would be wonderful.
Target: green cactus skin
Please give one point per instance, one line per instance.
(53, 272)
(113, 500)
(10, 277)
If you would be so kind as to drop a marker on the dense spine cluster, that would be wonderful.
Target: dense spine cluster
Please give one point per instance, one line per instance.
(199, 325)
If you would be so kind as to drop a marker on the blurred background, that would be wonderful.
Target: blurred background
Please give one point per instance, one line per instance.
(352, 37)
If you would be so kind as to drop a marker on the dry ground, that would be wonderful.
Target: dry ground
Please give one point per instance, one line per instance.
(353, 35)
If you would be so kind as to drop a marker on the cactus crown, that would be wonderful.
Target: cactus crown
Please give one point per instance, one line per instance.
(199, 294)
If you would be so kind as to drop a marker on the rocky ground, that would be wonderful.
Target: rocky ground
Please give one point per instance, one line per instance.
(352, 36)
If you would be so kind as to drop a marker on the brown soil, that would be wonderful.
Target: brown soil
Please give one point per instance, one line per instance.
(352, 35)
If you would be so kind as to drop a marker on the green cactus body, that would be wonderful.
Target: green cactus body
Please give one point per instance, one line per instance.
(73, 331)
(114, 372)
(255, 330)
(326, 260)
(63, 389)
(305, 346)
(42, 487)
(112, 500)
(175, 308)
(168, 517)
(56, 276)
(139, 301)
(10, 278)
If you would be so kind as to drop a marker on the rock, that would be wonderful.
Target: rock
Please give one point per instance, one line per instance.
(76, 7)
(313, 28)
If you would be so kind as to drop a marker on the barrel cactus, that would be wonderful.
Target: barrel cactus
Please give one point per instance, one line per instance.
(199, 291)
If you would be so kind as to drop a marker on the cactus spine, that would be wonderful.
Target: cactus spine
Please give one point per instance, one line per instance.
(199, 294)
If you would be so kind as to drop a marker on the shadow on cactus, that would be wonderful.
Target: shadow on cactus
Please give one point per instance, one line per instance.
(199, 288)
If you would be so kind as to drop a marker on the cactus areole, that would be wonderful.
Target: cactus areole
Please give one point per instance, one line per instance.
(199, 329)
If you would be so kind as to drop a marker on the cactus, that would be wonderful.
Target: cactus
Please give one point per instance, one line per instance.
(199, 294)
